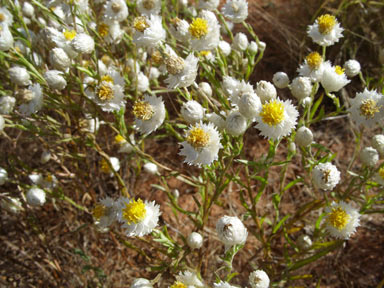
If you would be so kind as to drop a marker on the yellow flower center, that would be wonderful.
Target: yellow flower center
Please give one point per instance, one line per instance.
(49, 178)
(105, 93)
(119, 139)
(204, 53)
(368, 108)
(326, 23)
(148, 4)
(381, 173)
(314, 60)
(339, 70)
(198, 138)
(143, 110)
(272, 113)
(69, 34)
(106, 59)
(178, 284)
(99, 211)
(134, 211)
(198, 28)
(175, 64)
(2, 17)
(156, 57)
(338, 218)
(103, 29)
(104, 166)
(140, 23)
(107, 78)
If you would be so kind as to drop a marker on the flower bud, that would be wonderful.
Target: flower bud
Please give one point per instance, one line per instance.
(217, 120)
(301, 87)
(249, 105)
(240, 42)
(235, 124)
(45, 156)
(59, 59)
(6, 104)
(35, 197)
(83, 43)
(19, 76)
(195, 240)
(304, 242)
(266, 91)
(352, 68)
(252, 47)
(6, 38)
(141, 283)
(192, 112)
(2, 123)
(154, 73)
(307, 101)
(205, 88)
(55, 79)
(304, 136)
(259, 279)
(225, 48)
(11, 204)
(28, 10)
(231, 231)
(262, 45)
(280, 80)
(369, 156)
(292, 147)
(151, 168)
(378, 143)
(142, 82)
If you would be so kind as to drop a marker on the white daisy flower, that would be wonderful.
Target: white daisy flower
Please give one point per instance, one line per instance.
(55, 79)
(7, 103)
(125, 146)
(106, 94)
(277, 119)
(182, 72)
(106, 212)
(111, 32)
(188, 279)
(379, 176)
(235, 124)
(115, 10)
(149, 114)
(49, 182)
(333, 78)
(148, 7)
(280, 80)
(369, 156)
(222, 284)
(62, 39)
(141, 283)
(204, 31)
(192, 112)
(313, 67)
(325, 176)
(33, 97)
(6, 18)
(301, 87)
(231, 231)
(266, 91)
(195, 240)
(352, 68)
(259, 279)
(109, 166)
(208, 4)
(235, 10)
(202, 145)
(341, 220)
(139, 217)
(367, 108)
(6, 38)
(326, 31)
(149, 32)
(179, 29)
(35, 197)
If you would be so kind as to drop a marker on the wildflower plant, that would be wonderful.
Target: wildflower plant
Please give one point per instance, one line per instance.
(124, 93)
